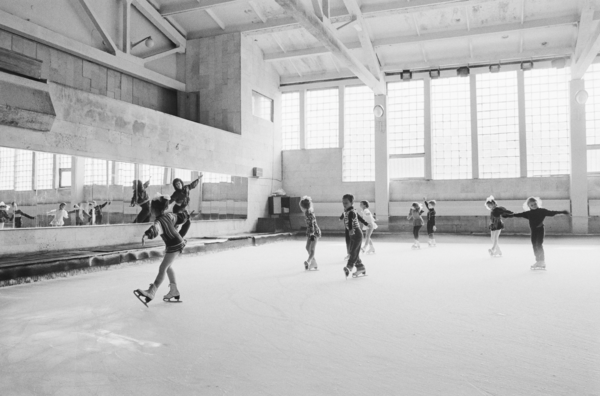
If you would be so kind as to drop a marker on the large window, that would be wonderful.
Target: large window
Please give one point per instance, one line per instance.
(209, 177)
(7, 168)
(290, 120)
(358, 159)
(64, 170)
(96, 172)
(156, 174)
(183, 174)
(406, 129)
(593, 160)
(498, 125)
(44, 171)
(24, 170)
(322, 118)
(124, 173)
(592, 116)
(451, 128)
(547, 120)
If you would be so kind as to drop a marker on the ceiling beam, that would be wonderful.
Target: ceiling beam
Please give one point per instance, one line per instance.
(363, 36)
(588, 54)
(126, 26)
(194, 5)
(160, 22)
(585, 27)
(318, 30)
(428, 37)
(484, 59)
(176, 50)
(258, 11)
(215, 18)
(124, 63)
(108, 42)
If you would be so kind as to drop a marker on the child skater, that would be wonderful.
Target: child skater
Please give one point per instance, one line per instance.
(140, 197)
(95, 214)
(347, 234)
(416, 210)
(4, 217)
(536, 215)
(181, 197)
(80, 214)
(59, 215)
(313, 232)
(372, 226)
(356, 237)
(164, 225)
(496, 224)
(17, 213)
(431, 228)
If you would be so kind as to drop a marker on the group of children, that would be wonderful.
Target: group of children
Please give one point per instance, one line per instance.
(16, 217)
(92, 217)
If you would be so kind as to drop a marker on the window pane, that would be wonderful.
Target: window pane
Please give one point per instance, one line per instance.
(24, 170)
(262, 106)
(410, 167)
(592, 107)
(290, 121)
(593, 160)
(156, 174)
(358, 162)
(183, 174)
(547, 120)
(124, 173)
(451, 128)
(209, 177)
(64, 161)
(95, 172)
(44, 172)
(322, 118)
(498, 125)
(406, 117)
(7, 169)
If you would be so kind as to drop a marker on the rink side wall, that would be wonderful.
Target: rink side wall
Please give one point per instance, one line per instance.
(94, 125)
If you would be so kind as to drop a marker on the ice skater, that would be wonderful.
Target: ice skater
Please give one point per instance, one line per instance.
(414, 215)
(496, 224)
(59, 215)
(431, 228)
(18, 214)
(95, 213)
(181, 197)
(347, 233)
(372, 226)
(164, 226)
(536, 215)
(4, 216)
(140, 198)
(80, 214)
(356, 237)
(313, 233)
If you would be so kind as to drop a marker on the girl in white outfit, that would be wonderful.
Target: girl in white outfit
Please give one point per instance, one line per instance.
(372, 226)
(59, 215)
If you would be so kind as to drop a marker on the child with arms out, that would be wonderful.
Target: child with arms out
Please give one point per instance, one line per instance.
(313, 232)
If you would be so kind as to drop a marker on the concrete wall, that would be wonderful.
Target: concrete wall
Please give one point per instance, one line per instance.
(62, 68)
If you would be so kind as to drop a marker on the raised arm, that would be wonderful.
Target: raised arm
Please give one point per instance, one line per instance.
(194, 184)
(104, 204)
(426, 204)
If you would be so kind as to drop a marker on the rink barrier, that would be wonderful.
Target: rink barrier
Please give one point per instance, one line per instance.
(76, 264)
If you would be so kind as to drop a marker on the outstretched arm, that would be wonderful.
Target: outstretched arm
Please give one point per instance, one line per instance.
(524, 215)
(363, 221)
(26, 215)
(551, 213)
(194, 184)
(426, 203)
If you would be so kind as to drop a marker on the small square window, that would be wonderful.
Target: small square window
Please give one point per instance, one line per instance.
(262, 106)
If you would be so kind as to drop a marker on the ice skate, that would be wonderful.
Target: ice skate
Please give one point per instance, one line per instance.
(347, 272)
(306, 265)
(498, 253)
(145, 296)
(173, 293)
(416, 246)
(539, 265)
(312, 266)
(433, 243)
(491, 252)
(371, 250)
(359, 272)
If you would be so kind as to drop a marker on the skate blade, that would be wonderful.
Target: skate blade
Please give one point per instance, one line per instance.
(359, 276)
(139, 297)
(538, 269)
(172, 300)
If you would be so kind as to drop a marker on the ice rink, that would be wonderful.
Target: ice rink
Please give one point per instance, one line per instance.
(440, 321)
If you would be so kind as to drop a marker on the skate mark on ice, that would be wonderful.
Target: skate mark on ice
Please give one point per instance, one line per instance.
(483, 392)
(108, 337)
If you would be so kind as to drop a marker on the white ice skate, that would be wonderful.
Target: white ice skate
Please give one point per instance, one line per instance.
(491, 252)
(416, 246)
(539, 265)
(312, 266)
(145, 296)
(359, 272)
(371, 250)
(173, 293)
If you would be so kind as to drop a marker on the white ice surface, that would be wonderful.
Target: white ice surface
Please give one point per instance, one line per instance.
(443, 321)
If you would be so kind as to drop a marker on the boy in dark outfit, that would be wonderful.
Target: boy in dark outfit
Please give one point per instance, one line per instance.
(431, 228)
(17, 213)
(536, 215)
(140, 197)
(181, 197)
(356, 237)
(347, 233)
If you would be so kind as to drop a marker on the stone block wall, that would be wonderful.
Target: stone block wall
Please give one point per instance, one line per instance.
(62, 68)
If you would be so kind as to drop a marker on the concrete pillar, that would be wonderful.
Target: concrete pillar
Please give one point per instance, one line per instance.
(579, 182)
(382, 184)
(77, 179)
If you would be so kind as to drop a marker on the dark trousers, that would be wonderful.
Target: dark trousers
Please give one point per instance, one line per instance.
(430, 228)
(537, 240)
(416, 231)
(144, 215)
(355, 245)
(347, 242)
(18, 223)
(78, 221)
(99, 219)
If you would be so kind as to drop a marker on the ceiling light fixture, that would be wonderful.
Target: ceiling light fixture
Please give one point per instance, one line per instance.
(525, 66)
(147, 40)
(406, 75)
(495, 68)
(434, 74)
(463, 71)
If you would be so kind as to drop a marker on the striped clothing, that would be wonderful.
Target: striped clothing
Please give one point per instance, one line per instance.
(312, 228)
(164, 226)
(351, 219)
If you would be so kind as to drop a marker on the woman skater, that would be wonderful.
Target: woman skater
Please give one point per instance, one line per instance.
(313, 233)
(496, 224)
(181, 197)
(140, 197)
(414, 215)
(164, 225)
(536, 215)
